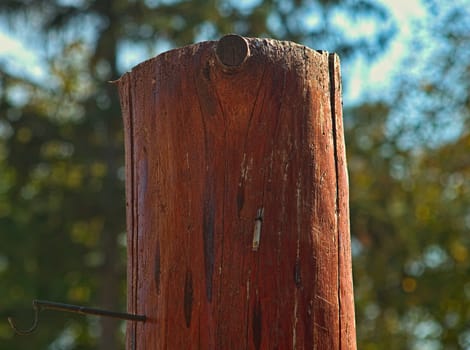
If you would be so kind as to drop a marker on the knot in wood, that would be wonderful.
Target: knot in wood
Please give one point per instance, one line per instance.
(232, 50)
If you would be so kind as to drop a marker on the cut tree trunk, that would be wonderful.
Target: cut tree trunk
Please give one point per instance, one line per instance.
(237, 199)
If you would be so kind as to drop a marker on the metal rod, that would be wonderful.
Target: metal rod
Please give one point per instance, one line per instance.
(39, 305)
(44, 304)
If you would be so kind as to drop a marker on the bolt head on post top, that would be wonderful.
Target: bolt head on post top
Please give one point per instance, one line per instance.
(232, 51)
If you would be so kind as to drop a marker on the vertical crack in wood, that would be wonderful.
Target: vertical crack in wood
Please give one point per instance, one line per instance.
(275, 146)
(209, 205)
(240, 196)
(188, 297)
(247, 310)
(296, 319)
(132, 345)
(298, 198)
(257, 324)
(208, 234)
(297, 274)
(220, 246)
(246, 163)
(333, 93)
(157, 267)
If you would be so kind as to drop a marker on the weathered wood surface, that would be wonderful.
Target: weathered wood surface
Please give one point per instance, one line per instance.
(237, 199)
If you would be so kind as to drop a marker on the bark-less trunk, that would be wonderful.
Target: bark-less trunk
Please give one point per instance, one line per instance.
(237, 199)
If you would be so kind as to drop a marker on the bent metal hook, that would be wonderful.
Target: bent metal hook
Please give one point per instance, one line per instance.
(39, 305)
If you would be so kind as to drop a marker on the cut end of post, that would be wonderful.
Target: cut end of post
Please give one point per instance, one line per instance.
(232, 50)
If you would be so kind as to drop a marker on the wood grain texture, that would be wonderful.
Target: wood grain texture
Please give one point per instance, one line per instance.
(216, 157)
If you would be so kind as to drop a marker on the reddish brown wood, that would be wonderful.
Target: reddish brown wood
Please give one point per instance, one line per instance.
(220, 149)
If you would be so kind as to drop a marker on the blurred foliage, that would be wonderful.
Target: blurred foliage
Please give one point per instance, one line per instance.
(61, 141)
(410, 194)
(62, 207)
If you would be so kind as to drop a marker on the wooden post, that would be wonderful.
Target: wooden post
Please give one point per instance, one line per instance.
(237, 199)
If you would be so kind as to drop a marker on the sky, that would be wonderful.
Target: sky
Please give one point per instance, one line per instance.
(19, 56)
(368, 81)
(365, 80)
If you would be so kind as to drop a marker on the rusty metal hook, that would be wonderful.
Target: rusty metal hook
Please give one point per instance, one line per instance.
(35, 322)
(39, 305)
